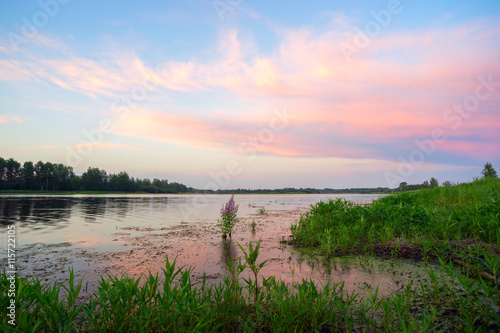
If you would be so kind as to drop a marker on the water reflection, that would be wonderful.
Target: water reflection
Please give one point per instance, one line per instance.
(228, 250)
(35, 212)
(8, 210)
(25, 209)
(92, 208)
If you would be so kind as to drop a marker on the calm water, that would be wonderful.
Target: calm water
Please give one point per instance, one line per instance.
(91, 220)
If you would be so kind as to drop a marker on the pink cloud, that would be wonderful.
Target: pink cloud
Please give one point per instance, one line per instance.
(10, 119)
(234, 134)
(13, 70)
(480, 150)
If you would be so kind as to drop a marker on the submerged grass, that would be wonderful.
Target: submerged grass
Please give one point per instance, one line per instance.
(457, 228)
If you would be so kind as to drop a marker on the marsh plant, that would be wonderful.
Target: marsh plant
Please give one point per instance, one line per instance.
(229, 217)
(251, 260)
(253, 225)
(262, 211)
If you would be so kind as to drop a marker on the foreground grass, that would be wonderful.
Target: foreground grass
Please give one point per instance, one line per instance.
(450, 301)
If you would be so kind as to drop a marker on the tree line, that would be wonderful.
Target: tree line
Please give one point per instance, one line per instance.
(293, 190)
(48, 176)
(488, 172)
(59, 177)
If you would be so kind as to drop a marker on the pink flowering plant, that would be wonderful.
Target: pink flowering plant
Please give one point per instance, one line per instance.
(228, 217)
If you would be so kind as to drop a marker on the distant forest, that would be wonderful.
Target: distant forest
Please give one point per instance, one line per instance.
(301, 190)
(59, 177)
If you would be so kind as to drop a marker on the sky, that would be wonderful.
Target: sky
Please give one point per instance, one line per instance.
(254, 94)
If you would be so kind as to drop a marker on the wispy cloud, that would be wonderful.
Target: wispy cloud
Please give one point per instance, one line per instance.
(10, 120)
(105, 145)
(48, 147)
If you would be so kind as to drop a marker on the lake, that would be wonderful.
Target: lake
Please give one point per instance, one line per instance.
(132, 234)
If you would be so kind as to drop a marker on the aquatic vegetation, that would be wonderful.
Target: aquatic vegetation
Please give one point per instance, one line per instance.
(229, 217)
(262, 211)
(253, 225)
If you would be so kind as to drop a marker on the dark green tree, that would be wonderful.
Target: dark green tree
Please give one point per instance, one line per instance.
(43, 172)
(161, 184)
(434, 182)
(75, 183)
(62, 175)
(13, 174)
(3, 180)
(121, 182)
(94, 179)
(28, 176)
(489, 171)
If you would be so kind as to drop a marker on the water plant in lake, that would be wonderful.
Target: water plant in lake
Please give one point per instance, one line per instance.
(229, 217)
(253, 225)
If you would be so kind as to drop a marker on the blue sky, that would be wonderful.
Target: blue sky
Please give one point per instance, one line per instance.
(254, 94)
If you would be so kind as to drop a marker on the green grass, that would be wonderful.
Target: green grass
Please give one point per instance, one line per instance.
(450, 301)
(443, 221)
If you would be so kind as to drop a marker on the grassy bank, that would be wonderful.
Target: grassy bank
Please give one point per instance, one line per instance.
(453, 222)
